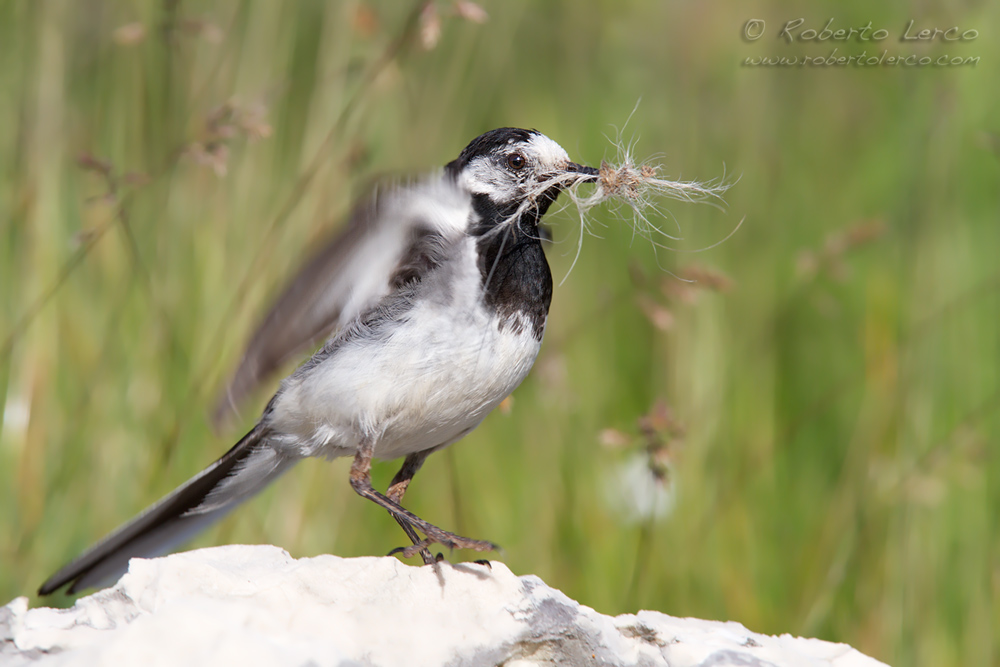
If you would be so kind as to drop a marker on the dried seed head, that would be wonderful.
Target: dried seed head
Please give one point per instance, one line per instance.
(130, 34)
(470, 11)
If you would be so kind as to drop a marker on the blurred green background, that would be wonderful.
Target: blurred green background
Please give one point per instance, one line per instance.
(814, 417)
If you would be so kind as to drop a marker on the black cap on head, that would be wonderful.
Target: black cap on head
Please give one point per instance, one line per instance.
(489, 142)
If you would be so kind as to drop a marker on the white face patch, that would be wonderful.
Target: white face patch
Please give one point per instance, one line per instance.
(497, 176)
(550, 155)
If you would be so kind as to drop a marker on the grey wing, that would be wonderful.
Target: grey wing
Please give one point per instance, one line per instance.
(355, 269)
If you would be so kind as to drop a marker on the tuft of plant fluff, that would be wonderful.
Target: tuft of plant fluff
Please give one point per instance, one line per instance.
(633, 189)
(637, 186)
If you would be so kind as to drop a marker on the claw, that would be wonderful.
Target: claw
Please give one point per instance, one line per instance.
(414, 549)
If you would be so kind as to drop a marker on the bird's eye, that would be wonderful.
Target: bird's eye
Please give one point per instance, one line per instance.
(516, 161)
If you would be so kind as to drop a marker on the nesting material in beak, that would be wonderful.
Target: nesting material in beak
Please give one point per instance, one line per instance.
(635, 187)
(637, 184)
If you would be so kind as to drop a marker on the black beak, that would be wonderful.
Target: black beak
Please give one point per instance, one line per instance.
(584, 169)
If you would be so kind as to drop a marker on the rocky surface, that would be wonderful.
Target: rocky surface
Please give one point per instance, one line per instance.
(256, 605)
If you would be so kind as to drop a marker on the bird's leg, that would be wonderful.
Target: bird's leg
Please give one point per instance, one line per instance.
(361, 482)
(395, 493)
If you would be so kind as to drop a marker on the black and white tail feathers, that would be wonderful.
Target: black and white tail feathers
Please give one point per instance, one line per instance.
(242, 472)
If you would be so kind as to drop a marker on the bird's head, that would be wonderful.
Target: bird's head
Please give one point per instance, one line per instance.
(510, 171)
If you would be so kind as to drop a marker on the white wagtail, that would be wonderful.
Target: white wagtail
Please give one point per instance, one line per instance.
(437, 295)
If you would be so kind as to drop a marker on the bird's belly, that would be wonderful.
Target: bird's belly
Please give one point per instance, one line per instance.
(427, 382)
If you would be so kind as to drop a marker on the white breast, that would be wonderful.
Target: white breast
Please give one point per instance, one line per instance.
(430, 381)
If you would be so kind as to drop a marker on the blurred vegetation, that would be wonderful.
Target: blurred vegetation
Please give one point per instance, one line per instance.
(818, 409)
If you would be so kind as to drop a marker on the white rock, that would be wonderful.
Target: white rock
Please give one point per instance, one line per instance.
(255, 605)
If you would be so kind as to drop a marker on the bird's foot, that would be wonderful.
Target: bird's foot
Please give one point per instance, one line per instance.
(425, 553)
(448, 540)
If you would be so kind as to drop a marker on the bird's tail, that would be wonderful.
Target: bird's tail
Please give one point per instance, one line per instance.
(242, 472)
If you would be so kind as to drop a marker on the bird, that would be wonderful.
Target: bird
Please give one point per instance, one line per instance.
(432, 303)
